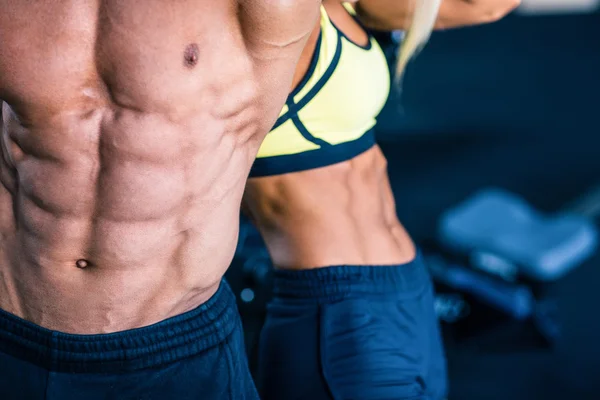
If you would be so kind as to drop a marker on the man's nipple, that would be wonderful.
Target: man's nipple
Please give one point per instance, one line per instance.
(190, 55)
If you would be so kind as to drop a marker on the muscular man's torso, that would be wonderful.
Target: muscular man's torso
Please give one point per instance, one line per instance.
(129, 128)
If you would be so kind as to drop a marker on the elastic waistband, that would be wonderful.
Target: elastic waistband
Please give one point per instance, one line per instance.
(168, 341)
(337, 282)
(327, 154)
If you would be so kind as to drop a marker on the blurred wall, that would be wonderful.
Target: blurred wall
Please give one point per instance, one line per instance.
(525, 75)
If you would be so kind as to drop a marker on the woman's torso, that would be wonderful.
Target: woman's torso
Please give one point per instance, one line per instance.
(342, 212)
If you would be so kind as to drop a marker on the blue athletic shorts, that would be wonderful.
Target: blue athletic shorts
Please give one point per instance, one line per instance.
(352, 332)
(196, 355)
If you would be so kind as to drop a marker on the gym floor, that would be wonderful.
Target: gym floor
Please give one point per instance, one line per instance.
(512, 105)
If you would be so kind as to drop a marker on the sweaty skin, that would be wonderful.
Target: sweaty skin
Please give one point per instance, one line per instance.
(340, 214)
(128, 130)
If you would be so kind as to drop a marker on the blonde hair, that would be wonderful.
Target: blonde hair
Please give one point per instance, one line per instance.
(424, 16)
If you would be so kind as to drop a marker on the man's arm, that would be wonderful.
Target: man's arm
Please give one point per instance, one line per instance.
(275, 32)
(388, 15)
(273, 25)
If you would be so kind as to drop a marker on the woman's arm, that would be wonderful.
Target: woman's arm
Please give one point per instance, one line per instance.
(388, 15)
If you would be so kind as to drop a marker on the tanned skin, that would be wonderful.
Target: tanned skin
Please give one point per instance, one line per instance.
(345, 214)
(340, 214)
(128, 131)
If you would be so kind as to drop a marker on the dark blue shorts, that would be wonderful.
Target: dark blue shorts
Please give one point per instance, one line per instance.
(196, 355)
(352, 332)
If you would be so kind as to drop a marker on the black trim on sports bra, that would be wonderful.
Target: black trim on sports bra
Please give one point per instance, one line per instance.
(288, 163)
(311, 68)
(294, 107)
(342, 34)
(306, 134)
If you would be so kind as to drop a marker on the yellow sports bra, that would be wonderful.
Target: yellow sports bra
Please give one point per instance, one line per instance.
(329, 117)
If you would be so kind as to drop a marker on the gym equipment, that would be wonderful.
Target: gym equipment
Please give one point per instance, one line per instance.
(515, 300)
(504, 235)
(451, 307)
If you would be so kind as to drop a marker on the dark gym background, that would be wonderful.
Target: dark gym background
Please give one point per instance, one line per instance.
(515, 104)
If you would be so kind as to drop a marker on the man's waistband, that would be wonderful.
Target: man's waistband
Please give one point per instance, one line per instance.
(165, 342)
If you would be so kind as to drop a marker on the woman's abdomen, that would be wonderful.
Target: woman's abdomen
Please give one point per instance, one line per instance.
(336, 215)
